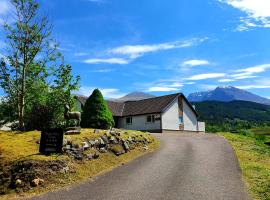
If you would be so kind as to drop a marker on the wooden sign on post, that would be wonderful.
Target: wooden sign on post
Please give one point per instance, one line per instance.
(51, 141)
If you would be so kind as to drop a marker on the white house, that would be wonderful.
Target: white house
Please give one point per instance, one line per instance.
(158, 114)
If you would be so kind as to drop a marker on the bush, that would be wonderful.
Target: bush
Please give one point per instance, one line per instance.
(96, 113)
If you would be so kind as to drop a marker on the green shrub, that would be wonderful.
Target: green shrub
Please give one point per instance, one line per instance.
(96, 113)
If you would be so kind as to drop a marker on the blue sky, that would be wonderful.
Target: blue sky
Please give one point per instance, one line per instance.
(162, 46)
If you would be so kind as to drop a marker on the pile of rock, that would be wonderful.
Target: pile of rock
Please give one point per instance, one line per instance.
(111, 141)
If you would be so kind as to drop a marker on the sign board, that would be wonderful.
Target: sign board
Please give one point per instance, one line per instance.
(51, 141)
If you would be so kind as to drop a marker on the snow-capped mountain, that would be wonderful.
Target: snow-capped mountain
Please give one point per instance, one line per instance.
(226, 94)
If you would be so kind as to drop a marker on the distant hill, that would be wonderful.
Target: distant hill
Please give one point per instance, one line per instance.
(134, 96)
(216, 112)
(227, 94)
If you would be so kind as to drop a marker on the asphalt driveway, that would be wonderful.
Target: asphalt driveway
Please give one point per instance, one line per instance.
(187, 166)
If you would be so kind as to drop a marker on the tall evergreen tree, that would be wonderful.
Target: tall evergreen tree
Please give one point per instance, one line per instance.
(96, 113)
(31, 60)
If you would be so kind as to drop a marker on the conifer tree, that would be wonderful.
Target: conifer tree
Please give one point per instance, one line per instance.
(96, 113)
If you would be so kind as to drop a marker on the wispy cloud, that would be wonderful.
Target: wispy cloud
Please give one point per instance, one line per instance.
(250, 71)
(257, 84)
(120, 61)
(103, 70)
(108, 93)
(257, 13)
(161, 89)
(134, 51)
(195, 62)
(206, 76)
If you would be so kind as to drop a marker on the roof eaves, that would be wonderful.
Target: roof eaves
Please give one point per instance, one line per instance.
(178, 94)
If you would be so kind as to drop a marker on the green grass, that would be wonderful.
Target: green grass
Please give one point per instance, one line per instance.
(15, 146)
(254, 159)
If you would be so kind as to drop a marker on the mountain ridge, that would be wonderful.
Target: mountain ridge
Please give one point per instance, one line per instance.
(227, 94)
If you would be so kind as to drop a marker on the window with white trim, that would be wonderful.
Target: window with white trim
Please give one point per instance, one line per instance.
(129, 120)
(150, 119)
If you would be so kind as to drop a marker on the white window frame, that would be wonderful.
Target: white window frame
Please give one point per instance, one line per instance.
(152, 117)
(129, 123)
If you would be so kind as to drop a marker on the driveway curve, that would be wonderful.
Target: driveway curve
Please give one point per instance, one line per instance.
(187, 167)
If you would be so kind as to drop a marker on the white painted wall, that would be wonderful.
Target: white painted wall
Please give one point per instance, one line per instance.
(201, 126)
(189, 118)
(139, 123)
(170, 118)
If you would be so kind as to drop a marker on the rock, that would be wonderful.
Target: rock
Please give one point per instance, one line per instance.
(126, 146)
(36, 182)
(65, 141)
(91, 143)
(96, 155)
(105, 138)
(18, 182)
(102, 143)
(96, 130)
(145, 148)
(102, 150)
(68, 147)
(117, 149)
(97, 143)
(113, 140)
(85, 145)
(92, 156)
(65, 169)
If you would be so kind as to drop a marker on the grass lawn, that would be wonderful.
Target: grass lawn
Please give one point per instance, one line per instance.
(254, 159)
(16, 146)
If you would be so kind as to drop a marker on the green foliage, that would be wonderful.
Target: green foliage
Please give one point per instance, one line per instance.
(232, 116)
(96, 113)
(33, 75)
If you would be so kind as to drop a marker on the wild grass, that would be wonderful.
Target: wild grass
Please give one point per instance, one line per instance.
(254, 159)
(16, 146)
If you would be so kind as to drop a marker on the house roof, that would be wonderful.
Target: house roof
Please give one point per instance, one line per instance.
(141, 107)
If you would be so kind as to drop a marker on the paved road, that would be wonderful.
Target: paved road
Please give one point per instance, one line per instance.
(186, 167)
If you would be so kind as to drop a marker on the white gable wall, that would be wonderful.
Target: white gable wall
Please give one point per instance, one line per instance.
(189, 118)
(138, 123)
(170, 117)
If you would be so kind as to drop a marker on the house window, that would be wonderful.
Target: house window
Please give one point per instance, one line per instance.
(180, 120)
(129, 120)
(150, 118)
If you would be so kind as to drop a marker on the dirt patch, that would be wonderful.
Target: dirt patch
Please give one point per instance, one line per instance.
(23, 175)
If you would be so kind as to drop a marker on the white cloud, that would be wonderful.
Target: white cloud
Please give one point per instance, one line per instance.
(195, 62)
(108, 93)
(257, 11)
(205, 76)
(161, 89)
(250, 71)
(120, 61)
(103, 70)
(134, 51)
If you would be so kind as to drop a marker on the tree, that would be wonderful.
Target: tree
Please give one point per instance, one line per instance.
(96, 113)
(32, 58)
